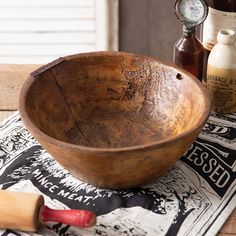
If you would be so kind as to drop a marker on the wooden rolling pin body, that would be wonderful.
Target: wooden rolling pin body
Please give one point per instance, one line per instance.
(26, 211)
(19, 210)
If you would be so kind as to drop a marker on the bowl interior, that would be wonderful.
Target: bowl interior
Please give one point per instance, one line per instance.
(113, 100)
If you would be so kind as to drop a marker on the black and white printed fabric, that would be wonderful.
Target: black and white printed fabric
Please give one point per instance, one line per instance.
(195, 197)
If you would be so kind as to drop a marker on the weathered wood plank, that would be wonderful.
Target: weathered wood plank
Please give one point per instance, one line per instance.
(223, 234)
(12, 78)
(229, 228)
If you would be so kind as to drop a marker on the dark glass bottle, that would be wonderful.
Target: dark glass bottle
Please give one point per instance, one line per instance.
(190, 54)
(222, 15)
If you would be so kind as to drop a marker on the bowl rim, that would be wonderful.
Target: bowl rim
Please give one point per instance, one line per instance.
(161, 143)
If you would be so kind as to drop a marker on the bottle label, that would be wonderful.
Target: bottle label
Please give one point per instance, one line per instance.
(217, 20)
(221, 85)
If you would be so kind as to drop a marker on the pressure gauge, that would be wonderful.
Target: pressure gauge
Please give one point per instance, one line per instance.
(191, 12)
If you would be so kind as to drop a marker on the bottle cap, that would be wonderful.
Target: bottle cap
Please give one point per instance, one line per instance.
(226, 36)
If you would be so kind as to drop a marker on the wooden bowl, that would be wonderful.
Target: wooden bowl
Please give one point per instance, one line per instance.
(113, 119)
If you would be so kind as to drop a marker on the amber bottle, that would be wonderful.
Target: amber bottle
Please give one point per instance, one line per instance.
(190, 54)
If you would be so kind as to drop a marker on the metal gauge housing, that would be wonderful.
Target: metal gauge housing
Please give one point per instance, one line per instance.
(191, 12)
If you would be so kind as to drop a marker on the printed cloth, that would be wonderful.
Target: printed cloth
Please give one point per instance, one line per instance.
(195, 197)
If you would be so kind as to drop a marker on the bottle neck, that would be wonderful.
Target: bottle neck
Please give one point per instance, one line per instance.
(189, 31)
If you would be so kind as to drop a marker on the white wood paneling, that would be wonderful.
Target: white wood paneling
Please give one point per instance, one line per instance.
(47, 37)
(47, 3)
(38, 31)
(101, 24)
(66, 13)
(45, 49)
(19, 59)
(40, 25)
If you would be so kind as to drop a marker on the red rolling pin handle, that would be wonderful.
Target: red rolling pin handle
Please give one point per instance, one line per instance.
(25, 212)
(78, 218)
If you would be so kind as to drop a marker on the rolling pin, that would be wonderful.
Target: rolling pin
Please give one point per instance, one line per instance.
(26, 211)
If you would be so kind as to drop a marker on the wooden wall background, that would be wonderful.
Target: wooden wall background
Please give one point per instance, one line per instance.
(148, 27)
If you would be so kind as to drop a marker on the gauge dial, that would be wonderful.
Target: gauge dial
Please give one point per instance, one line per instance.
(192, 12)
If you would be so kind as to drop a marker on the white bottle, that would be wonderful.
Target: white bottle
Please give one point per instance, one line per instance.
(221, 73)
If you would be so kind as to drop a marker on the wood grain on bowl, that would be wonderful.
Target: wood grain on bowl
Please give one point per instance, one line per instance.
(114, 119)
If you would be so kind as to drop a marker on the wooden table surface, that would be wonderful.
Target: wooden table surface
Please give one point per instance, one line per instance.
(12, 78)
